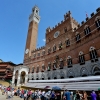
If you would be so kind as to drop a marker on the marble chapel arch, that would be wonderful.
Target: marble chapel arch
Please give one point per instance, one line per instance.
(20, 75)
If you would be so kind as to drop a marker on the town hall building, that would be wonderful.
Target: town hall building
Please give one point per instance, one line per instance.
(71, 50)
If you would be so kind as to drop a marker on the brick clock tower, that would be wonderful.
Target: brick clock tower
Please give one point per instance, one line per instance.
(31, 42)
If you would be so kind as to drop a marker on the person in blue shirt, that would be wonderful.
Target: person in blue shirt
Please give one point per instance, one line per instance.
(67, 95)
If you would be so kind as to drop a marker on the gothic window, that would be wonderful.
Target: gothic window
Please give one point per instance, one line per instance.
(87, 30)
(34, 55)
(69, 62)
(96, 69)
(49, 39)
(67, 42)
(93, 54)
(43, 67)
(54, 65)
(38, 54)
(43, 52)
(49, 50)
(49, 66)
(54, 48)
(97, 22)
(77, 37)
(61, 63)
(32, 69)
(81, 58)
(65, 29)
(37, 70)
(29, 70)
(60, 45)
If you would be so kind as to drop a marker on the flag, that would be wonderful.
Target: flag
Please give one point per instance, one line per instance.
(86, 14)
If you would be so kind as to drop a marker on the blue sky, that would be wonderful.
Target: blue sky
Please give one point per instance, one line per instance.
(14, 21)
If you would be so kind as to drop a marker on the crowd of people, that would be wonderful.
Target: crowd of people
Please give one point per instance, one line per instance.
(49, 94)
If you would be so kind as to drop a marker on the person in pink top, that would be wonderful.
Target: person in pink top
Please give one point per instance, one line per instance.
(22, 93)
(29, 93)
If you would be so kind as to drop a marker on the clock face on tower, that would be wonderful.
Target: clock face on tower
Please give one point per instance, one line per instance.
(27, 50)
(56, 34)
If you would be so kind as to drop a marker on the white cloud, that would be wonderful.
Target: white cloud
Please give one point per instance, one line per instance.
(44, 40)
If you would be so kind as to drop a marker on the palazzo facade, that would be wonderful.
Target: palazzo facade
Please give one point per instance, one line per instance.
(71, 49)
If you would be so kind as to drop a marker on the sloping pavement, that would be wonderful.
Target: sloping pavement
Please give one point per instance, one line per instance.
(3, 97)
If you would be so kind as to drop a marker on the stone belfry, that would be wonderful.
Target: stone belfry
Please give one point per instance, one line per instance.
(31, 41)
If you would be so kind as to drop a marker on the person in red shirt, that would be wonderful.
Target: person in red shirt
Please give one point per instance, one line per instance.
(29, 93)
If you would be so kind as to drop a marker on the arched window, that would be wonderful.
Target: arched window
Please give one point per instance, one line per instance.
(78, 37)
(81, 58)
(32, 69)
(43, 67)
(67, 42)
(49, 50)
(37, 70)
(49, 66)
(69, 61)
(87, 30)
(61, 64)
(65, 29)
(54, 65)
(43, 52)
(93, 54)
(97, 22)
(34, 55)
(54, 48)
(60, 45)
(38, 54)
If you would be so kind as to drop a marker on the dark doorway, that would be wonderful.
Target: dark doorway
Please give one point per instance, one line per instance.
(98, 73)
(48, 78)
(15, 82)
(84, 75)
(62, 77)
(42, 78)
(55, 77)
(71, 77)
(37, 79)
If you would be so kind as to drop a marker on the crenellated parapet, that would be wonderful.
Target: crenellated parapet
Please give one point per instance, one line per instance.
(38, 49)
(66, 16)
(87, 19)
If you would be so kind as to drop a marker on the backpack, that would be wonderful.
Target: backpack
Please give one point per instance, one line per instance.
(52, 95)
(77, 96)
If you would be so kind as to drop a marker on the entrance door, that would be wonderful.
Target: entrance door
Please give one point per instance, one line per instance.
(22, 79)
(16, 77)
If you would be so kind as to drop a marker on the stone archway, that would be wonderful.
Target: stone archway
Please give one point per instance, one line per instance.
(20, 73)
(22, 77)
(83, 72)
(70, 74)
(42, 76)
(54, 75)
(62, 74)
(49, 75)
(96, 70)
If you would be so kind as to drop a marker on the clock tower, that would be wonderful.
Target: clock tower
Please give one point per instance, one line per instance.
(31, 41)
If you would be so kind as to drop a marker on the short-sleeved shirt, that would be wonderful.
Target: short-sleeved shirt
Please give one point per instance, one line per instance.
(67, 94)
